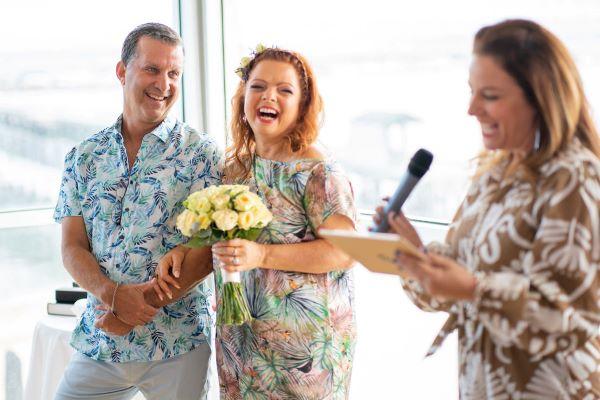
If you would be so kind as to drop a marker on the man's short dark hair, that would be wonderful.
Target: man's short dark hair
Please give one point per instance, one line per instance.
(153, 30)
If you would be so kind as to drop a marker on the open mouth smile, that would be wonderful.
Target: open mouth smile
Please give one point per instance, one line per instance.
(156, 97)
(267, 114)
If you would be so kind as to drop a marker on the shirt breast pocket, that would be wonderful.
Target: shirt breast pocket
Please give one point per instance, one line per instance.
(101, 198)
(171, 186)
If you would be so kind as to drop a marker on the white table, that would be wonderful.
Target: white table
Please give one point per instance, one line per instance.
(50, 354)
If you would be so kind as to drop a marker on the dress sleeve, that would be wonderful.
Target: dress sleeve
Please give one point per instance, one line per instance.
(422, 299)
(328, 192)
(415, 291)
(69, 202)
(554, 303)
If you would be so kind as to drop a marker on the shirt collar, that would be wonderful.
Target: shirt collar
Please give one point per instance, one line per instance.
(162, 131)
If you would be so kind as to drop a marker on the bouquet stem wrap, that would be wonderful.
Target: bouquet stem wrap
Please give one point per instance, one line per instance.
(221, 213)
(233, 277)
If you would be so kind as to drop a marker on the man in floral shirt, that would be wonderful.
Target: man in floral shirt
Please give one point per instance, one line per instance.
(120, 195)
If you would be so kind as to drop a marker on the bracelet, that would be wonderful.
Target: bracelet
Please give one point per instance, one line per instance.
(114, 296)
(117, 317)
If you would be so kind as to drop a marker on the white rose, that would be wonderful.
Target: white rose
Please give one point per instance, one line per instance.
(237, 189)
(198, 202)
(210, 191)
(203, 220)
(186, 223)
(263, 216)
(225, 219)
(243, 202)
(220, 201)
(246, 220)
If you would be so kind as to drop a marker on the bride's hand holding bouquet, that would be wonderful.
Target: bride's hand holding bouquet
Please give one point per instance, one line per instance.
(233, 215)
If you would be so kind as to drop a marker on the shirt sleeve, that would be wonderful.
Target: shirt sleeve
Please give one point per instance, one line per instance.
(69, 200)
(554, 303)
(328, 192)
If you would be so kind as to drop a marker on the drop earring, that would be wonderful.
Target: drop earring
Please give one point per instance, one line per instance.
(536, 140)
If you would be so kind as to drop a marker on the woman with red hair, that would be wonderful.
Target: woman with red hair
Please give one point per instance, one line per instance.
(298, 287)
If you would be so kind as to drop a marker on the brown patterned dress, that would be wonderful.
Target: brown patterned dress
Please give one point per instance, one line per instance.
(532, 332)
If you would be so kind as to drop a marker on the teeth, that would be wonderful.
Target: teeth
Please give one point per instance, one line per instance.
(267, 111)
(156, 97)
(488, 127)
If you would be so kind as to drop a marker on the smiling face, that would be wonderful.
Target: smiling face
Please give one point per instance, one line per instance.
(150, 82)
(508, 120)
(272, 100)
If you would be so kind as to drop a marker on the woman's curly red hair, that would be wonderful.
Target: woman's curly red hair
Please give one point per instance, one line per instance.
(240, 153)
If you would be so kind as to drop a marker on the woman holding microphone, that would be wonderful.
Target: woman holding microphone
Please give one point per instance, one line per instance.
(518, 272)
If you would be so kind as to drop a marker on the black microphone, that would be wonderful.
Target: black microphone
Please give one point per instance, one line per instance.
(418, 166)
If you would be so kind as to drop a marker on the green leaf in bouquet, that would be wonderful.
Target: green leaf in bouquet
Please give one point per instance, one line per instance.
(202, 239)
(199, 242)
(218, 235)
(249, 234)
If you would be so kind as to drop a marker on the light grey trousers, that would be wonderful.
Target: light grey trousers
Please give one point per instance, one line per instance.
(182, 377)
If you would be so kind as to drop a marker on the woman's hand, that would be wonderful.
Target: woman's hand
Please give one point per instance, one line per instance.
(441, 277)
(398, 224)
(110, 324)
(168, 270)
(239, 254)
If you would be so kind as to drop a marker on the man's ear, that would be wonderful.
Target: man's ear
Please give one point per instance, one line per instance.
(121, 72)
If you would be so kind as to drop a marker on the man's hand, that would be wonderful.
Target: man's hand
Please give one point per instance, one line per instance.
(130, 306)
(110, 324)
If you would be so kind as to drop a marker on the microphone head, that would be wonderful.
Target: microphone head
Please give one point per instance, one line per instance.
(420, 162)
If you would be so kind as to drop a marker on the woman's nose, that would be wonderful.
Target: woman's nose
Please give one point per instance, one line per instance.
(269, 95)
(474, 108)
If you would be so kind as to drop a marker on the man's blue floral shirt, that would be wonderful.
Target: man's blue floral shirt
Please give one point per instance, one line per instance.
(129, 216)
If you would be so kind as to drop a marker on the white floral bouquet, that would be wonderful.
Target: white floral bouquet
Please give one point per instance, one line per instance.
(220, 213)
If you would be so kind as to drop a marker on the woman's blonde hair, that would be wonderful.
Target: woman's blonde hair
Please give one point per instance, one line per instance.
(542, 66)
(241, 151)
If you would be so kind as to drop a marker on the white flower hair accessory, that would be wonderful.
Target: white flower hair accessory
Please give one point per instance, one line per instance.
(242, 70)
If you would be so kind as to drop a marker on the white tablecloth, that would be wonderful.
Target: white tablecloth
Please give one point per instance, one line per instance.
(50, 354)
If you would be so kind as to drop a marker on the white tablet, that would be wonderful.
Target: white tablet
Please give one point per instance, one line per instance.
(376, 251)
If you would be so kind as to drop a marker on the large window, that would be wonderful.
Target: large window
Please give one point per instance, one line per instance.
(394, 78)
(57, 86)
